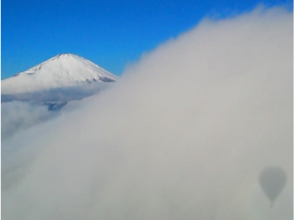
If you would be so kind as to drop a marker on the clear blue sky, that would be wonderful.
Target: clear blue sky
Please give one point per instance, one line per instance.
(110, 33)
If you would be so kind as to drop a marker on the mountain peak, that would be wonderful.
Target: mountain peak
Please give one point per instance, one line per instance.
(62, 70)
(66, 55)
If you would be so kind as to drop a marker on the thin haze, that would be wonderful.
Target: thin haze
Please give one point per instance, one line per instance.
(184, 134)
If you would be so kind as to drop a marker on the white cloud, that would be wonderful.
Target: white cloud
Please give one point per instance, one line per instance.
(184, 134)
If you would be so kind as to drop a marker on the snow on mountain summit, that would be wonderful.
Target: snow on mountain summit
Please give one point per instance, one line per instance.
(63, 70)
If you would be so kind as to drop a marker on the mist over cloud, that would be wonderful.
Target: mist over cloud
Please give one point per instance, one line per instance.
(23, 110)
(18, 116)
(184, 134)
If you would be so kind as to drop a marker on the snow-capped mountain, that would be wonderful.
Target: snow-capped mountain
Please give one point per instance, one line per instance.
(61, 71)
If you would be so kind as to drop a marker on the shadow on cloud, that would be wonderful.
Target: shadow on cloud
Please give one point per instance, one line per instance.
(184, 134)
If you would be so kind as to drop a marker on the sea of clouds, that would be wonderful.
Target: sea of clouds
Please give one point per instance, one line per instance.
(184, 134)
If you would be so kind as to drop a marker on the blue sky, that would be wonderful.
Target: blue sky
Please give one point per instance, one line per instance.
(110, 33)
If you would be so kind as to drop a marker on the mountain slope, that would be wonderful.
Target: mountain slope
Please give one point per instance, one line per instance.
(61, 71)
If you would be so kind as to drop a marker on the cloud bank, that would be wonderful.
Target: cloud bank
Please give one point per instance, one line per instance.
(184, 134)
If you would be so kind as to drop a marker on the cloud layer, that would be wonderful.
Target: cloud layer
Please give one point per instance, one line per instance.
(59, 95)
(184, 134)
